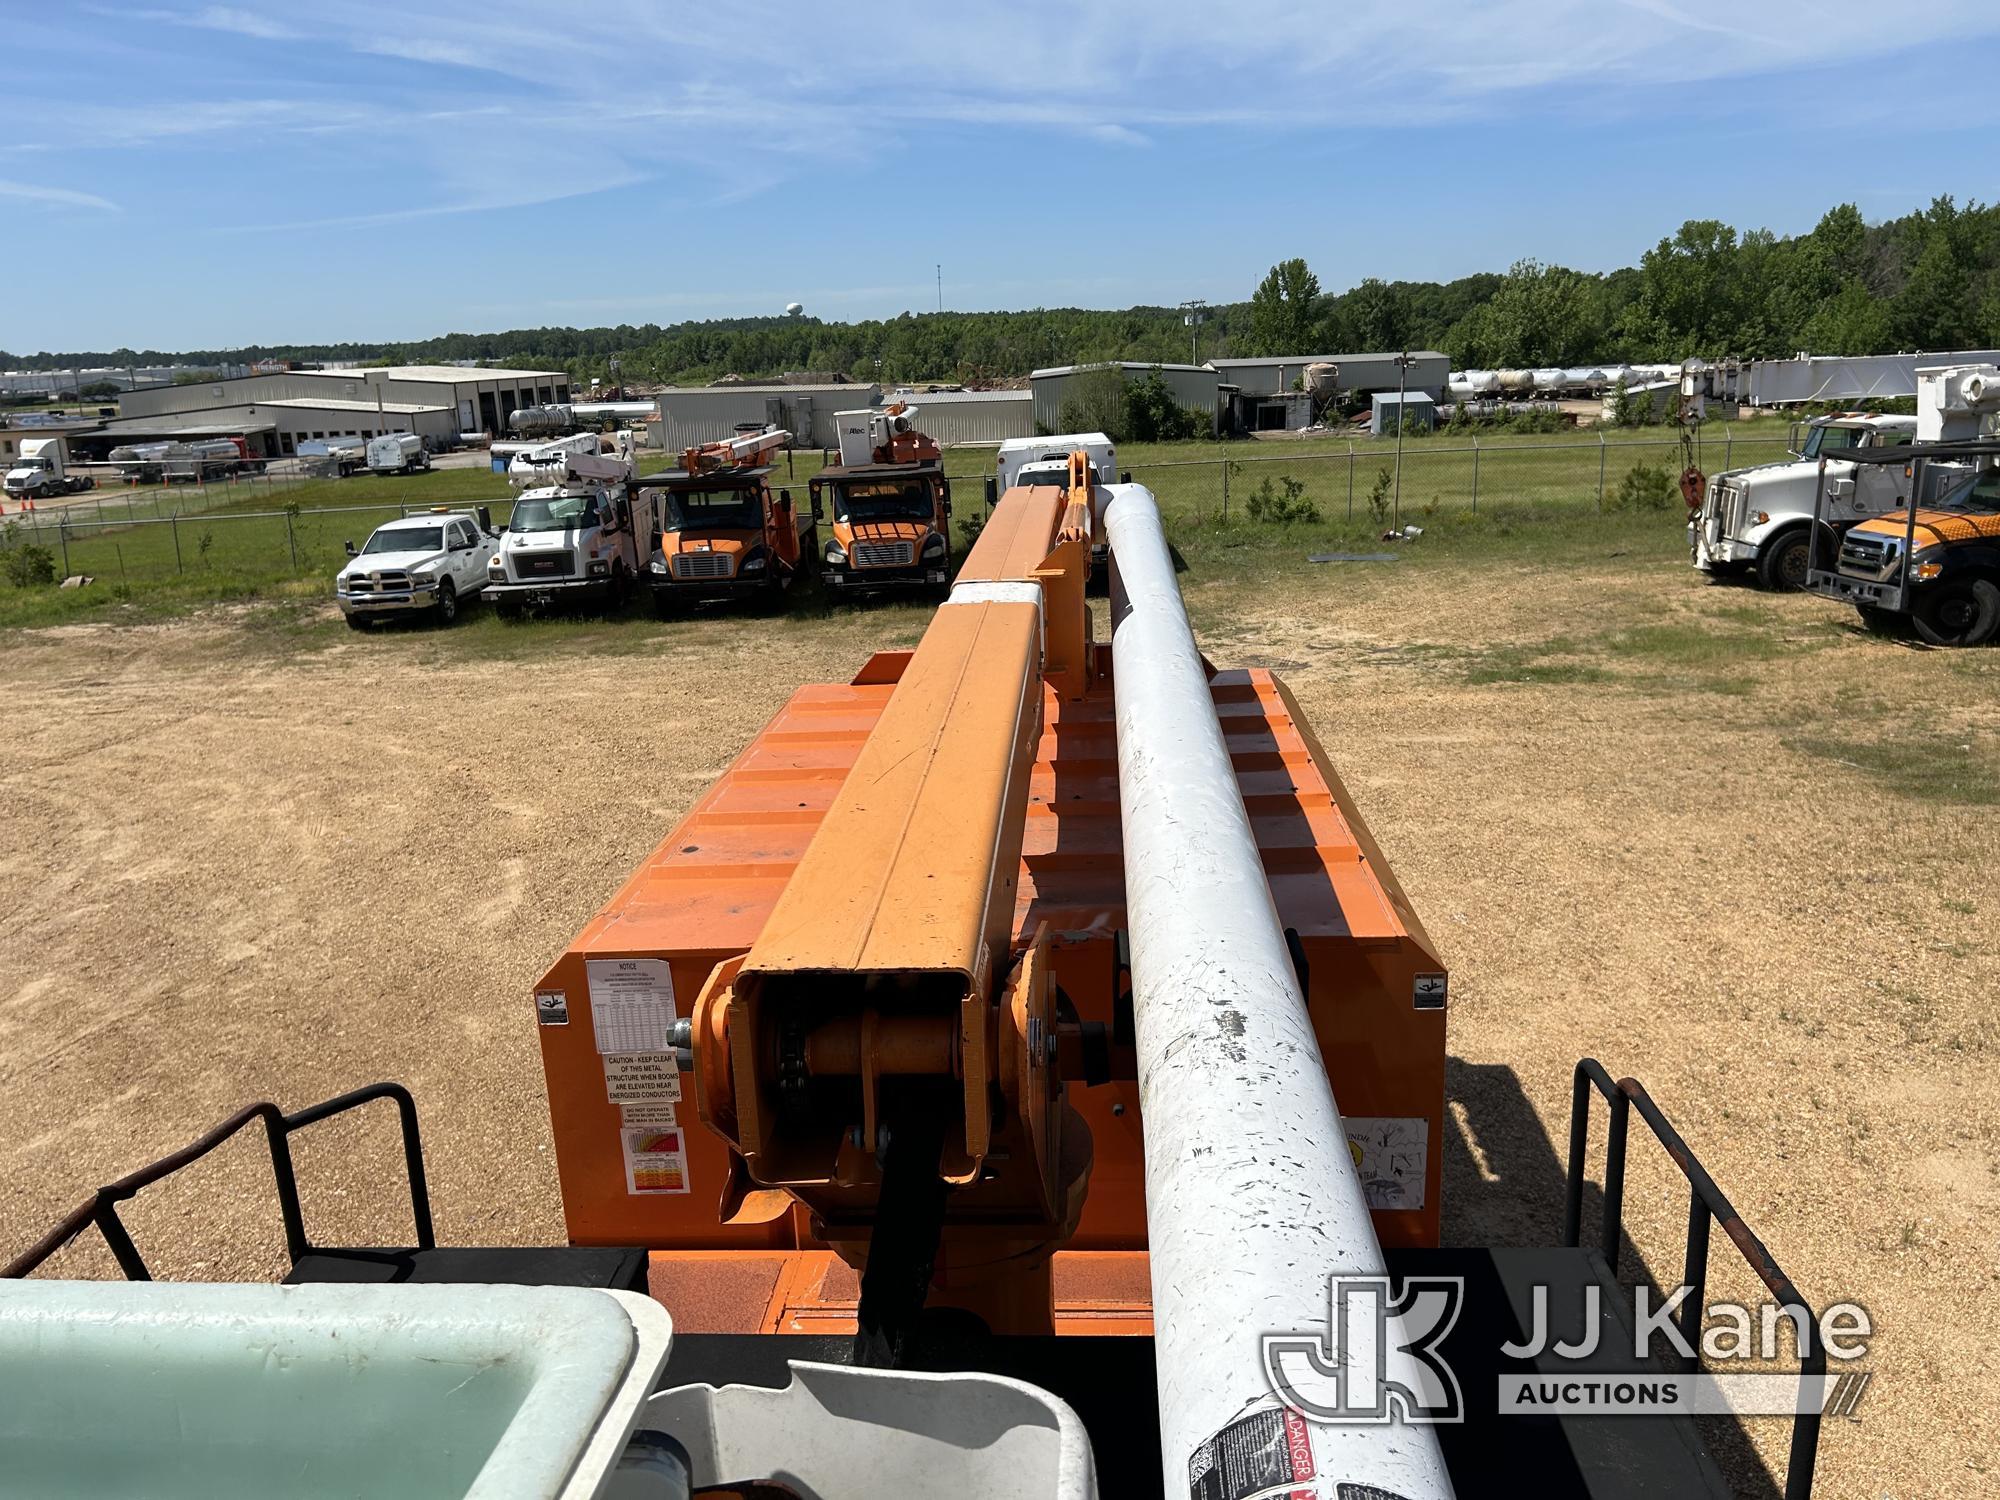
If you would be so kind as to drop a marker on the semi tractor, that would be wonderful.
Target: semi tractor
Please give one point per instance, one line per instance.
(1021, 1074)
(887, 505)
(724, 532)
(42, 472)
(1758, 520)
(576, 532)
(1932, 564)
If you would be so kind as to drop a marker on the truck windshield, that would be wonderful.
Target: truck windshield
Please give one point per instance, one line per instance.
(883, 500)
(1057, 477)
(558, 514)
(1830, 442)
(407, 539)
(1978, 497)
(735, 509)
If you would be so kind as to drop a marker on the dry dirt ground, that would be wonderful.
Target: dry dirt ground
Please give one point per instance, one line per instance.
(1725, 843)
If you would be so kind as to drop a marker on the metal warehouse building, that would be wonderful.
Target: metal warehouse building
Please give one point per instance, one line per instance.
(955, 417)
(1361, 373)
(1193, 386)
(709, 413)
(289, 405)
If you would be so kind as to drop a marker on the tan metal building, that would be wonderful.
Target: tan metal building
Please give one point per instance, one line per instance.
(709, 413)
(956, 418)
(1194, 387)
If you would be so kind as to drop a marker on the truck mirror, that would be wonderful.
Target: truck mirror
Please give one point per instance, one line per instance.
(819, 506)
(992, 488)
(1125, 476)
(350, 550)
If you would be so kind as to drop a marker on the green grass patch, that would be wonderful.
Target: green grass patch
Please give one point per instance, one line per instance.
(1688, 647)
(1547, 662)
(1952, 769)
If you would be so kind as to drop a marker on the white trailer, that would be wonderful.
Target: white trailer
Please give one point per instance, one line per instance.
(397, 453)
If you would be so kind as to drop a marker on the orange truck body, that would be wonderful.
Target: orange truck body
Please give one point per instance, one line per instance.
(908, 548)
(726, 534)
(914, 880)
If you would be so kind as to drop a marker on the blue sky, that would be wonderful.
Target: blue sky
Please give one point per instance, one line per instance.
(200, 176)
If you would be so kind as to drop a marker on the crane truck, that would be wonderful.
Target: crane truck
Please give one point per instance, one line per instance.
(723, 533)
(890, 506)
(576, 531)
(1932, 562)
(1759, 520)
(1021, 1074)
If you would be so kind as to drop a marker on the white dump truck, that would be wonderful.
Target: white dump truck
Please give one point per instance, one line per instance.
(398, 453)
(42, 472)
(422, 563)
(1760, 519)
(577, 534)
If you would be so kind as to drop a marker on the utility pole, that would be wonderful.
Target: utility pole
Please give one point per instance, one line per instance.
(1192, 314)
(1402, 385)
(940, 279)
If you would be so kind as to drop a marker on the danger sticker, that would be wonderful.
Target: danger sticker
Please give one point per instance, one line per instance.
(655, 1161)
(1260, 1451)
(552, 1007)
(1427, 991)
(641, 1078)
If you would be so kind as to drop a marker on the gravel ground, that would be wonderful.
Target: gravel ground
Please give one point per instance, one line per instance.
(235, 868)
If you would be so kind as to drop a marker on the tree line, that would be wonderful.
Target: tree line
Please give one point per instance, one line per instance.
(1927, 280)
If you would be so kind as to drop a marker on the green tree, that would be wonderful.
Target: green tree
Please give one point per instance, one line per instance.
(1284, 310)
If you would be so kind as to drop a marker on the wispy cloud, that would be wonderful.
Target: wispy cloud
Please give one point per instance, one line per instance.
(529, 198)
(224, 18)
(62, 197)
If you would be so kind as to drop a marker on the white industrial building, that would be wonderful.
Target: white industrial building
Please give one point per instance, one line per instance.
(1259, 394)
(959, 417)
(278, 410)
(709, 413)
(1194, 387)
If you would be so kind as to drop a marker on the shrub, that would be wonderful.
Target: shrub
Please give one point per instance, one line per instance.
(1378, 497)
(1645, 487)
(27, 564)
(1281, 509)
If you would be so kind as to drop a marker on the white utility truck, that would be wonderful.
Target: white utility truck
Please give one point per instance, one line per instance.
(426, 562)
(1760, 519)
(1045, 460)
(42, 472)
(577, 534)
(398, 453)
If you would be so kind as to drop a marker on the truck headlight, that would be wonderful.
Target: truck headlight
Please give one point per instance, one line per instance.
(934, 546)
(598, 567)
(836, 555)
(495, 568)
(754, 564)
(1926, 563)
(656, 564)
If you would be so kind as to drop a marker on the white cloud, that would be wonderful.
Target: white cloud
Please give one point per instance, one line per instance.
(225, 18)
(61, 197)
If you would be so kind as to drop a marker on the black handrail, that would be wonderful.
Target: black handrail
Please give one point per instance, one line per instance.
(101, 1208)
(1707, 1205)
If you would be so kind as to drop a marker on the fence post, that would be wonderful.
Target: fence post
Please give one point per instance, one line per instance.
(1475, 473)
(62, 537)
(291, 542)
(174, 521)
(1350, 479)
(1225, 489)
(1729, 447)
(1602, 450)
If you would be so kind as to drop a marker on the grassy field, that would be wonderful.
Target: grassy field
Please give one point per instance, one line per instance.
(250, 541)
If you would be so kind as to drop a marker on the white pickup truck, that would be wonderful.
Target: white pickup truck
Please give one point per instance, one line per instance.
(426, 562)
(1760, 518)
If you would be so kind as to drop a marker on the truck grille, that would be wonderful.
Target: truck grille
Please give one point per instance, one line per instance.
(701, 565)
(884, 554)
(384, 582)
(544, 564)
(1868, 555)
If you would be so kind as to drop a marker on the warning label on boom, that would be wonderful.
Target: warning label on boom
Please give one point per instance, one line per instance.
(1259, 1451)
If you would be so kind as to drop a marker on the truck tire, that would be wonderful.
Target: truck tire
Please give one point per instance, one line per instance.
(1781, 566)
(617, 589)
(1883, 622)
(1958, 612)
(446, 609)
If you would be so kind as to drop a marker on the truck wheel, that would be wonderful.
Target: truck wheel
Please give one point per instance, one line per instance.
(614, 596)
(446, 608)
(1883, 622)
(1782, 564)
(1961, 612)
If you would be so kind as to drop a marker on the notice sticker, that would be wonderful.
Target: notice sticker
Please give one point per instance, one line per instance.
(1389, 1158)
(655, 1161)
(642, 1078)
(631, 1004)
(552, 1007)
(667, 1115)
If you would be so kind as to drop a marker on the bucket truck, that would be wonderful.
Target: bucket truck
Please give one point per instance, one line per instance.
(723, 532)
(890, 506)
(1021, 1074)
(576, 531)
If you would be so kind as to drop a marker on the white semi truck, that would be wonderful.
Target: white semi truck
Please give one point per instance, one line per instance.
(1760, 519)
(577, 534)
(42, 472)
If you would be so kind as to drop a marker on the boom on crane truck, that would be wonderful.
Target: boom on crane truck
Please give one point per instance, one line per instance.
(724, 533)
(890, 503)
(575, 534)
(1000, 1077)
